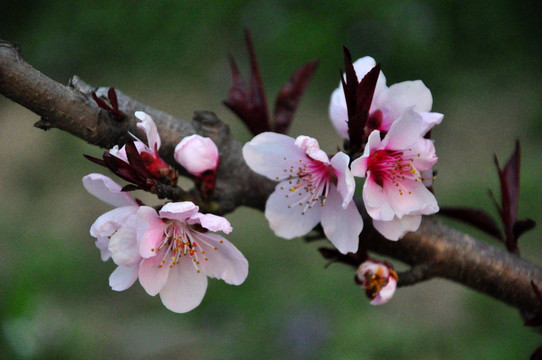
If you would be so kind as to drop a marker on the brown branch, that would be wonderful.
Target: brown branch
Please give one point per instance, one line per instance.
(439, 250)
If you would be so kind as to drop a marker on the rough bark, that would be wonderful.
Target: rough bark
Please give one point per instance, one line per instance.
(434, 250)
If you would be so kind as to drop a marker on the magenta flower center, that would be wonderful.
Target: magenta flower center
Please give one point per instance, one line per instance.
(392, 167)
(308, 183)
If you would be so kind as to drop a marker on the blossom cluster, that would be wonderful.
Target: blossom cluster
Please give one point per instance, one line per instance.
(391, 151)
(173, 249)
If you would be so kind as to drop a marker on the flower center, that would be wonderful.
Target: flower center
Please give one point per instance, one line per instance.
(183, 240)
(373, 282)
(392, 167)
(308, 183)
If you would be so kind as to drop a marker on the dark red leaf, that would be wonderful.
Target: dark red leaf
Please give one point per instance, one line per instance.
(101, 104)
(112, 95)
(475, 217)
(249, 106)
(359, 96)
(522, 226)
(95, 160)
(289, 96)
(509, 180)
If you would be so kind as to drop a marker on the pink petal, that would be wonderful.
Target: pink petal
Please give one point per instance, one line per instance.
(341, 226)
(147, 124)
(290, 222)
(179, 211)
(273, 155)
(211, 222)
(151, 276)
(376, 201)
(197, 154)
(107, 190)
(386, 293)
(423, 153)
(416, 199)
(404, 132)
(346, 184)
(123, 277)
(359, 165)
(312, 148)
(226, 262)
(184, 289)
(397, 228)
(150, 231)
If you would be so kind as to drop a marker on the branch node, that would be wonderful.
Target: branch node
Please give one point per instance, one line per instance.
(414, 275)
(43, 124)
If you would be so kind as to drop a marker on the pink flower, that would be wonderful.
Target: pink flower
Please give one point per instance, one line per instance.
(379, 281)
(388, 104)
(312, 188)
(115, 230)
(180, 251)
(394, 193)
(197, 154)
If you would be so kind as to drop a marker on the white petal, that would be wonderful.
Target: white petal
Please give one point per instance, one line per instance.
(179, 211)
(184, 288)
(286, 217)
(148, 125)
(123, 277)
(123, 245)
(376, 201)
(102, 243)
(226, 262)
(396, 228)
(345, 180)
(107, 190)
(397, 98)
(341, 226)
(430, 119)
(273, 155)
(338, 112)
(106, 224)
(153, 277)
(211, 222)
(365, 64)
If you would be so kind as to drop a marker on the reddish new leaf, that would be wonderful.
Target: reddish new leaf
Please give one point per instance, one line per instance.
(359, 96)
(249, 105)
(289, 96)
(509, 180)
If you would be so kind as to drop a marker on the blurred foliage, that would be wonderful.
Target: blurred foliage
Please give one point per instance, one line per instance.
(480, 59)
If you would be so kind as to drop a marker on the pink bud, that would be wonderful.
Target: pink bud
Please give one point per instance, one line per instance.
(378, 279)
(197, 154)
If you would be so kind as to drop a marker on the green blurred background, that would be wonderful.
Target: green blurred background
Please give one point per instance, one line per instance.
(482, 62)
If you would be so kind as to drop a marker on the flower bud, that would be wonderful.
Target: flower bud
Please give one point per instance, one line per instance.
(379, 281)
(197, 154)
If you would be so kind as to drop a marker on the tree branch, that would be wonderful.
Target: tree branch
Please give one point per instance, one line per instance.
(435, 248)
